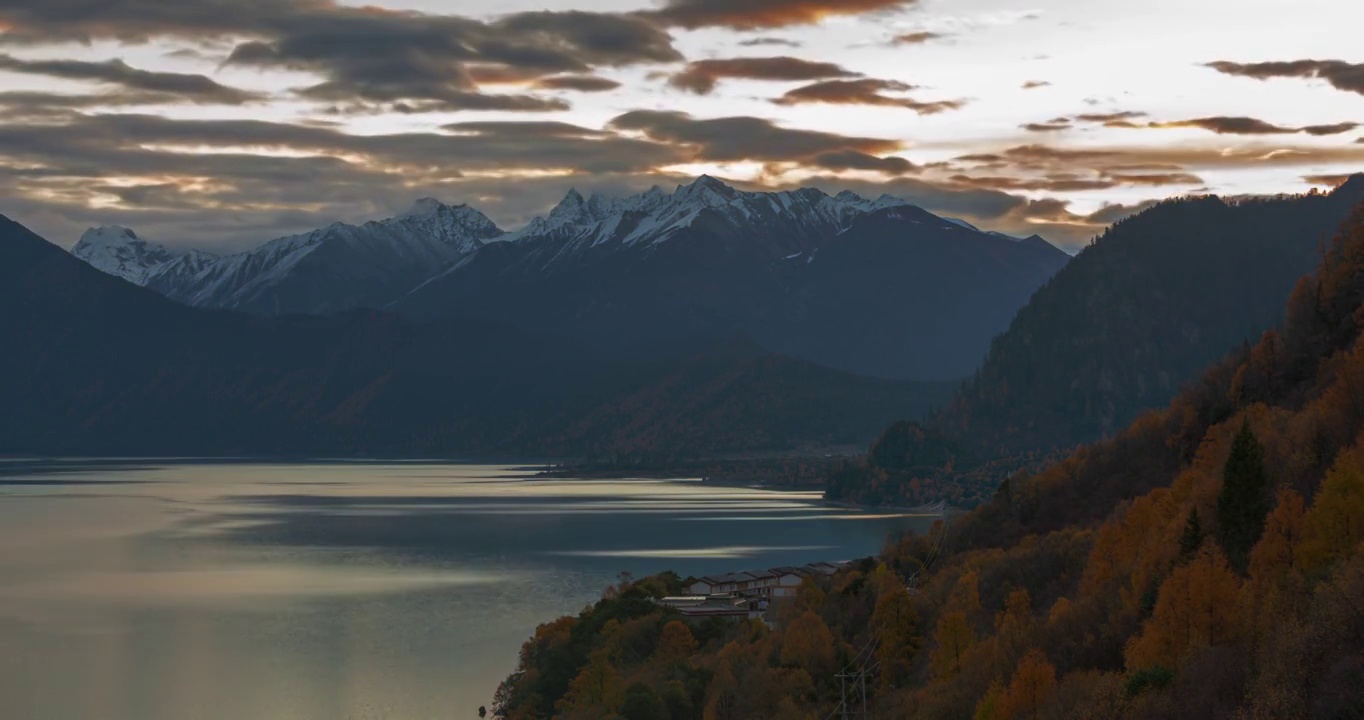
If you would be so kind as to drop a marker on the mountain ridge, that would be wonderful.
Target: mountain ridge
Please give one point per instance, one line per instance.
(665, 269)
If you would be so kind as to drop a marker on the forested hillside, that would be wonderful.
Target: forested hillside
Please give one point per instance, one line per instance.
(1153, 302)
(1122, 329)
(1207, 561)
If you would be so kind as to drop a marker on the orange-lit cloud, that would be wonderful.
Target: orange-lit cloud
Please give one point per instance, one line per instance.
(754, 14)
(865, 91)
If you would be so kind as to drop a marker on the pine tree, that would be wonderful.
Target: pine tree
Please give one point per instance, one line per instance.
(1244, 500)
(1192, 537)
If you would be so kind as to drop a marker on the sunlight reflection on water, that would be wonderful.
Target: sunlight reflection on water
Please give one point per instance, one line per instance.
(150, 590)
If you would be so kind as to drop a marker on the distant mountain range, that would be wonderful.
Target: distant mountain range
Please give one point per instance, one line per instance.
(874, 287)
(97, 365)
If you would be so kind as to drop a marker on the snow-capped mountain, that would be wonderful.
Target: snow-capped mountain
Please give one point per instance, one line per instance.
(332, 269)
(772, 223)
(873, 286)
(120, 252)
(878, 287)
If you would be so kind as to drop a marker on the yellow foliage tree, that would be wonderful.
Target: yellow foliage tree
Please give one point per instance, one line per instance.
(1196, 608)
(596, 689)
(1334, 527)
(675, 643)
(1033, 686)
(1274, 577)
(808, 644)
(965, 596)
(1013, 625)
(951, 639)
(897, 625)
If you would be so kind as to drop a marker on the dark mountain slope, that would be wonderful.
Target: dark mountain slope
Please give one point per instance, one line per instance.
(886, 291)
(904, 293)
(97, 365)
(1150, 304)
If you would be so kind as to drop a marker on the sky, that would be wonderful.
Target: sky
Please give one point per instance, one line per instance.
(221, 124)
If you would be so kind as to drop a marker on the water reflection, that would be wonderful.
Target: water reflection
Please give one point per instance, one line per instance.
(156, 590)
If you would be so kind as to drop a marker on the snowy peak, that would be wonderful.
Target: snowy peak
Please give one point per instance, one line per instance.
(424, 207)
(120, 252)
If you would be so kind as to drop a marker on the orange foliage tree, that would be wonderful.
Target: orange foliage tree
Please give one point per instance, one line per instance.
(1196, 608)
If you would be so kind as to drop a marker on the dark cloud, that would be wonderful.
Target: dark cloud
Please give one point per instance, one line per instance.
(366, 54)
(1340, 74)
(581, 83)
(1334, 129)
(754, 14)
(1124, 119)
(702, 76)
(191, 88)
(854, 160)
(1253, 126)
(1154, 165)
(769, 42)
(915, 38)
(1328, 180)
(1055, 125)
(732, 139)
(1076, 182)
(1034, 84)
(864, 91)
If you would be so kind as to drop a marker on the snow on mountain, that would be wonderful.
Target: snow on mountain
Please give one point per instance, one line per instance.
(790, 218)
(332, 269)
(120, 252)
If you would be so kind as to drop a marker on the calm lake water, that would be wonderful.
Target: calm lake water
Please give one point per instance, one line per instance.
(158, 590)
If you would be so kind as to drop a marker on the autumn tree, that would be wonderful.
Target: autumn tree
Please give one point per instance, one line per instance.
(1334, 527)
(808, 644)
(1033, 686)
(1014, 624)
(965, 595)
(897, 625)
(596, 687)
(1271, 591)
(1196, 607)
(1244, 499)
(675, 644)
(952, 637)
(1191, 538)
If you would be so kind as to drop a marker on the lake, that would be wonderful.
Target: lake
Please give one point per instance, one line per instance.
(149, 590)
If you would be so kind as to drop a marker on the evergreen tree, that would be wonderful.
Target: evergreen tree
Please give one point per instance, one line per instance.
(1244, 501)
(1192, 537)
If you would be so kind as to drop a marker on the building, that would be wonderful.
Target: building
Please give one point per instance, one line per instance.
(700, 607)
(778, 582)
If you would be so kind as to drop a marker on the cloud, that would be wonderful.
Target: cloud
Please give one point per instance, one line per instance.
(756, 14)
(1035, 84)
(840, 160)
(191, 88)
(864, 91)
(915, 38)
(1333, 129)
(702, 76)
(581, 83)
(731, 139)
(1076, 182)
(366, 54)
(770, 41)
(1328, 180)
(1338, 73)
(1055, 125)
(1223, 125)
(1122, 119)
